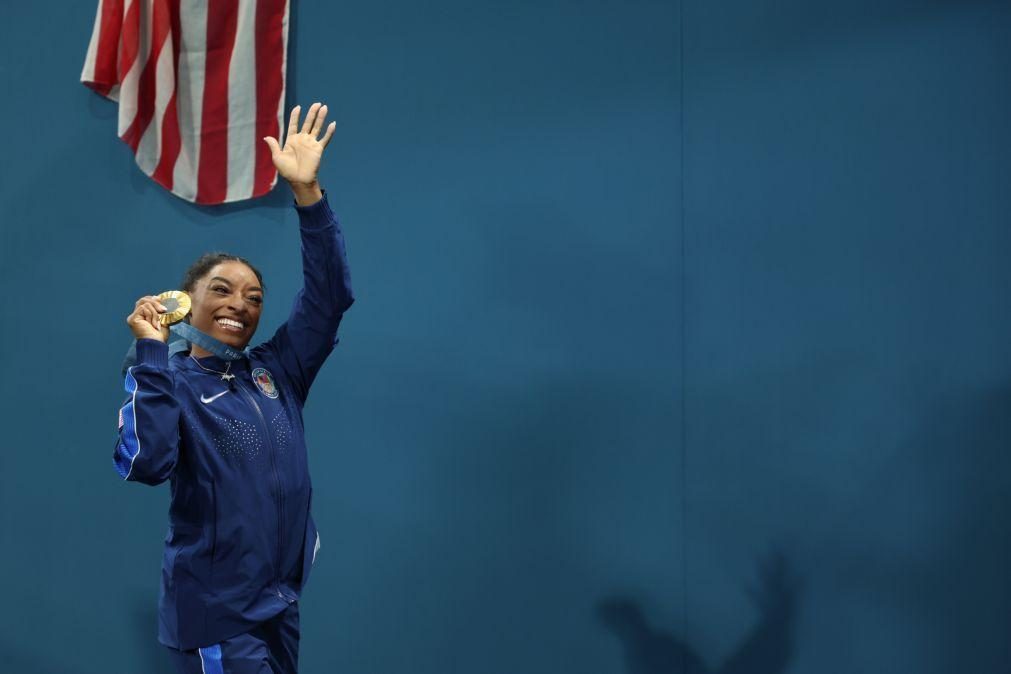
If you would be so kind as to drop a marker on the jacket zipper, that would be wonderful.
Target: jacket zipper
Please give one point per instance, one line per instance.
(277, 482)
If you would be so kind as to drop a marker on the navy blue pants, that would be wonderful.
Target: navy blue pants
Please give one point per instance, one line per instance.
(269, 648)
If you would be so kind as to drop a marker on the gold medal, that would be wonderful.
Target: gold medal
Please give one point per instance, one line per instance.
(177, 305)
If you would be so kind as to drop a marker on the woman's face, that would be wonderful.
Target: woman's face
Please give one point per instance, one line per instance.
(227, 302)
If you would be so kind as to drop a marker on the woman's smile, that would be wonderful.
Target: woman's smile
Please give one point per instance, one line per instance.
(230, 325)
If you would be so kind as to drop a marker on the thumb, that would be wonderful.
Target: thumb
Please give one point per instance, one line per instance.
(275, 149)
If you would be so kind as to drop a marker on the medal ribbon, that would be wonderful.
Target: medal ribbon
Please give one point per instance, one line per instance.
(206, 342)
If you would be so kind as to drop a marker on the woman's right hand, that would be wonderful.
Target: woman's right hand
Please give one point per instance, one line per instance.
(145, 321)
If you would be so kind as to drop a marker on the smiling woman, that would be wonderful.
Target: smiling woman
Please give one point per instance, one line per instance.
(228, 433)
(227, 295)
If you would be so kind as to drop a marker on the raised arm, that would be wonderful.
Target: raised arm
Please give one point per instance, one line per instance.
(304, 341)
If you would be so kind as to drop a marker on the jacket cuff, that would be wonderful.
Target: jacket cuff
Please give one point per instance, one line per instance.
(317, 215)
(152, 352)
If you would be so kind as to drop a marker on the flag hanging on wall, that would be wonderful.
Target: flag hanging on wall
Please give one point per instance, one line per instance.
(199, 84)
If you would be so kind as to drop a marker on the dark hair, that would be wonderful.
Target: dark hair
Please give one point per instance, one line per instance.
(208, 261)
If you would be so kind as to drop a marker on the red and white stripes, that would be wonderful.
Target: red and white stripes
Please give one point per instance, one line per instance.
(199, 84)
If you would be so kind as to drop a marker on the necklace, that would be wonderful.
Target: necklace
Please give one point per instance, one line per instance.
(224, 375)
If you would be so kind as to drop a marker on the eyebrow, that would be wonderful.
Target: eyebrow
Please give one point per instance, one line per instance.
(222, 278)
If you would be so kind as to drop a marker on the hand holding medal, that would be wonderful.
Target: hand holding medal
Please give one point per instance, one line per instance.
(152, 314)
(145, 320)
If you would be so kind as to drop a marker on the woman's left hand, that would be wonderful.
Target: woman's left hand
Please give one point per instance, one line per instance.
(298, 161)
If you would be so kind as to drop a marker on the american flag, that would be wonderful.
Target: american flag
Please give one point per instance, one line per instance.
(199, 84)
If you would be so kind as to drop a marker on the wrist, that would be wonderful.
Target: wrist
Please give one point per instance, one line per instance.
(306, 194)
(149, 333)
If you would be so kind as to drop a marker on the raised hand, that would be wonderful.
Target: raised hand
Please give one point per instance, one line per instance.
(298, 161)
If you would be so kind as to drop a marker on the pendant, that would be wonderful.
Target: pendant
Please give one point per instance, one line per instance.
(227, 377)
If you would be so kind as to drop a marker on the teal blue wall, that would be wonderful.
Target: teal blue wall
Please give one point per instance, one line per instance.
(680, 342)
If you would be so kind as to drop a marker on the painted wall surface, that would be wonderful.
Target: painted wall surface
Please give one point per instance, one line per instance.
(848, 365)
(680, 342)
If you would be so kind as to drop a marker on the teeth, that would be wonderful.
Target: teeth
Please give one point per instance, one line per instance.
(227, 322)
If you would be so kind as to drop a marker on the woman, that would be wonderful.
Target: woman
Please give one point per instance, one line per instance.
(228, 435)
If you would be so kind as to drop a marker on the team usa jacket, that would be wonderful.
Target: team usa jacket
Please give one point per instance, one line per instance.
(241, 540)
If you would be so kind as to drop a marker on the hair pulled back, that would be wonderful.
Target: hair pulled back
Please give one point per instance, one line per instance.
(208, 261)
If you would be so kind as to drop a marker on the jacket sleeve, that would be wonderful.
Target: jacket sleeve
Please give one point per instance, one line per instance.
(148, 444)
(305, 340)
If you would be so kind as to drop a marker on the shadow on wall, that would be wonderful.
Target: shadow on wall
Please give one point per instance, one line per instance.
(765, 650)
(939, 558)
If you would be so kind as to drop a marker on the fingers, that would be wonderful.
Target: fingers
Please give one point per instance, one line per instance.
(318, 124)
(149, 313)
(148, 309)
(312, 125)
(329, 134)
(275, 149)
(310, 117)
(293, 122)
(150, 300)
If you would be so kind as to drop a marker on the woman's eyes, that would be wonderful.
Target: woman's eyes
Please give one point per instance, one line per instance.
(221, 290)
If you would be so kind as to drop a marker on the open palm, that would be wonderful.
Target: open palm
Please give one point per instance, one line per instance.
(298, 161)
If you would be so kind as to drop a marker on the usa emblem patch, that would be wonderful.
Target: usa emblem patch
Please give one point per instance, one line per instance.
(265, 382)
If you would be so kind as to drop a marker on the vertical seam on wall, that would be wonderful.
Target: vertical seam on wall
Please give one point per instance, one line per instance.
(684, 337)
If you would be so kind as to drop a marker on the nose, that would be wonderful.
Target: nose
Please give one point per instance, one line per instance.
(235, 304)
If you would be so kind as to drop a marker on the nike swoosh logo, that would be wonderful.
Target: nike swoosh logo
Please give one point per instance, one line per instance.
(205, 399)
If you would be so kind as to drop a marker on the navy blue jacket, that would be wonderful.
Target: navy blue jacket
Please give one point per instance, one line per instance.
(241, 540)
